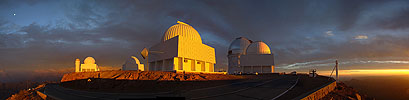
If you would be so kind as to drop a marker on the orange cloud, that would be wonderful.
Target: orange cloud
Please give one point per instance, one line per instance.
(361, 37)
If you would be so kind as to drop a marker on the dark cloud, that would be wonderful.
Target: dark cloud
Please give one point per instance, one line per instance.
(400, 21)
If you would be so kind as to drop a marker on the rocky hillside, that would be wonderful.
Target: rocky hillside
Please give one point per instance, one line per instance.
(344, 92)
(144, 81)
(29, 94)
(147, 75)
(391, 87)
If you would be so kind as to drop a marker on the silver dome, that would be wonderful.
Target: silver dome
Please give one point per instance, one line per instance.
(239, 45)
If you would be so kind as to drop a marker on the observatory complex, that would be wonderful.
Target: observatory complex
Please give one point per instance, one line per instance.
(246, 56)
(181, 49)
(133, 64)
(88, 66)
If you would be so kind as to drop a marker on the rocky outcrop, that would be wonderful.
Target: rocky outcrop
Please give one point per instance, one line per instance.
(147, 75)
(147, 81)
(344, 92)
(30, 94)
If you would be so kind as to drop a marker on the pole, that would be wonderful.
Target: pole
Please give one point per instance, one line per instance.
(147, 64)
(336, 72)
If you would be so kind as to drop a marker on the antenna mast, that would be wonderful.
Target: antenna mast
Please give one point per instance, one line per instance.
(336, 71)
(336, 67)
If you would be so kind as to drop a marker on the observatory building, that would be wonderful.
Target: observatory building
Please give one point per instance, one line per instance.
(133, 64)
(246, 56)
(88, 66)
(181, 49)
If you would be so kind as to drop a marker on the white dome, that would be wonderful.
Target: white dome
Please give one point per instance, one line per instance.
(132, 61)
(136, 60)
(131, 64)
(258, 48)
(239, 45)
(89, 60)
(184, 31)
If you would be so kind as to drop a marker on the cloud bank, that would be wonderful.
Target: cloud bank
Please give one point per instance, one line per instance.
(111, 31)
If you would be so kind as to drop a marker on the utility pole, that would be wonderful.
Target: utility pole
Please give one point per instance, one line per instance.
(336, 70)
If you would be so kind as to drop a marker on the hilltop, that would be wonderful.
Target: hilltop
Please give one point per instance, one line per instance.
(109, 84)
(147, 75)
(145, 81)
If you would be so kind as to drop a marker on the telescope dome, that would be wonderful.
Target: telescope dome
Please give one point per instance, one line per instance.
(239, 45)
(89, 60)
(258, 47)
(184, 31)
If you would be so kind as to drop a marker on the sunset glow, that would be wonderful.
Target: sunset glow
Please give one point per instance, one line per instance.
(204, 49)
(368, 72)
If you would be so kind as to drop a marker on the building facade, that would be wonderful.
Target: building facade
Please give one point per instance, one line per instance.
(88, 66)
(246, 56)
(181, 49)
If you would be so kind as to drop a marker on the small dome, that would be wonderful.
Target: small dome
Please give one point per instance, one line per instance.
(258, 48)
(77, 59)
(131, 64)
(136, 60)
(89, 60)
(239, 45)
(182, 30)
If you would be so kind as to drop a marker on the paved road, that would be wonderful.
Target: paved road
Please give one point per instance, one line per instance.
(249, 90)
(253, 90)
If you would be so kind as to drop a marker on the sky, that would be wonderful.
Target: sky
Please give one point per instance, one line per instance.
(48, 35)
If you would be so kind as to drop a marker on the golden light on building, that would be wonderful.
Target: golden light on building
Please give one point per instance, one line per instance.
(88, 66)
(258, 48)
(181, 49)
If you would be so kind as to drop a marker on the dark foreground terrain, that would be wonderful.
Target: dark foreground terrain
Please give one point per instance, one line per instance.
(140, 84)
(9, 88)
(382, 87)
(344, 92)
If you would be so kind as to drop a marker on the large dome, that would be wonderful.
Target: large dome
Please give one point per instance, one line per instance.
(89, 60)
(182, 30)
(258, 48)
(239, 46)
